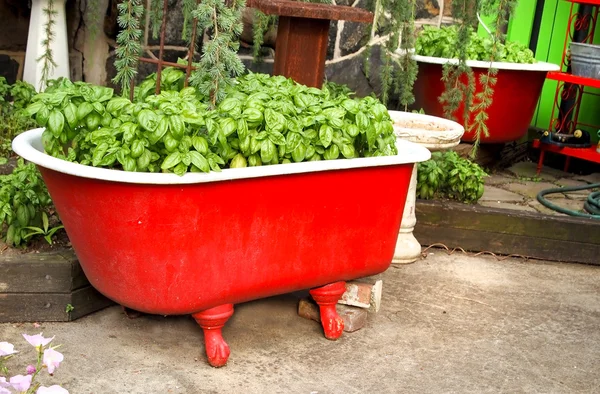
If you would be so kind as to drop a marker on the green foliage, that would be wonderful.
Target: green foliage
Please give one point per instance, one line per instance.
(47, 57)
(14, 120)
(262, 120)
(441, 42)
(23, 201)
(447, 175)
(69, 308)
(156, 17)
(337, 89)
(262, 24)
(397, 71)
(44, 231)
(219, 62)
(128, 42)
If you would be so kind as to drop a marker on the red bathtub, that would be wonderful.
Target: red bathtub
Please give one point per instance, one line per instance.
(197, 244)
(515, 97)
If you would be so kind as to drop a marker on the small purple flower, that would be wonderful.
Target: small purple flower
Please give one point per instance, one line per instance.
(20, 382)
(38, 340)
(3, 382)
(4, 391)
(6, 349)
(51, 390)
(52, 359)
(30, 369)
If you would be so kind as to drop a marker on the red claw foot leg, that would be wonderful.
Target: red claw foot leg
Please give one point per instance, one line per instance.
(327, 297)
(212, 321)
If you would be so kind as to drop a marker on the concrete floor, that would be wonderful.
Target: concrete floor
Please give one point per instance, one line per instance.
(448, 324)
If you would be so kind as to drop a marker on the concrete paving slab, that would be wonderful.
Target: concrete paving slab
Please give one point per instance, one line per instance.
(499, 179)
(448, 324)
(530, 189)
(495, 194)
(507, 205)
(528, 170)
(591, 178)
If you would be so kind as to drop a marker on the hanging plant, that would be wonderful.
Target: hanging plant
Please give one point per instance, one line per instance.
(219, 61)
(47, 57)
(129, 43)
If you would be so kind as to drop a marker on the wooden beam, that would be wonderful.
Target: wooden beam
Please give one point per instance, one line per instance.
(502, 231)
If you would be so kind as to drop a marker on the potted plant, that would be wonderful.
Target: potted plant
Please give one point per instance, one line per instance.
(517, 83)
(194, 198)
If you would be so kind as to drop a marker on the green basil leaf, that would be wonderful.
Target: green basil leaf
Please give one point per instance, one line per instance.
(56, 122)
(137, 149)
(228, 126)
(148, 119)
(325, 135)
(292, 141)
(99, 153)
(176, 126)
(242, 128)
(144, 160)
(84, 110)
(98, 107)
(299, 153)
(200, 144)
(267, 151)
(33, 108)
(171, 161)
(171, 143)
(116, 104)
(199, 161)
(276, 138)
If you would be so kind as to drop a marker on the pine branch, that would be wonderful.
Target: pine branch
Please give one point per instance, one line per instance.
(47, 57)
(128, 42)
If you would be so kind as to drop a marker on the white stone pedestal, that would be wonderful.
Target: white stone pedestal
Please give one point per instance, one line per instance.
(435, 134)
(408, 249)
(32, 71)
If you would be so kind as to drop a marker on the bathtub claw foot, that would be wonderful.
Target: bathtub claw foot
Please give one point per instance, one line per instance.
(327, 297)
(212, 321)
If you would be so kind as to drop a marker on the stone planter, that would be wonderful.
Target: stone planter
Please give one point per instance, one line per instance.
(434, 134)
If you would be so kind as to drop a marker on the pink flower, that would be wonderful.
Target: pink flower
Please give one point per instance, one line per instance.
(20, 382)
(6, 349)
(52, 359)
(37, 341)
(4, 391)
(52, 390)
(30, 369)
(3, 382)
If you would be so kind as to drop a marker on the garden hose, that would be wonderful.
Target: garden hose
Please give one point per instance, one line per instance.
(592, 205)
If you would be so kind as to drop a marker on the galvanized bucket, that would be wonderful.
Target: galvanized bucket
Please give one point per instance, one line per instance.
(585, 60)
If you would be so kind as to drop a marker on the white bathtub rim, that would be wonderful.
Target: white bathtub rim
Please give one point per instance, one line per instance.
(539, 66)
(28, 145)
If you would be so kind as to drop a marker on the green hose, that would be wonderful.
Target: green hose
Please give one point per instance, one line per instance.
(592, 205)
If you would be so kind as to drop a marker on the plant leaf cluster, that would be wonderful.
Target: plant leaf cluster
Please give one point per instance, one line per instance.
(261, 120)
(441, 42)
(13, 99)
(24, 201)
(447, 175)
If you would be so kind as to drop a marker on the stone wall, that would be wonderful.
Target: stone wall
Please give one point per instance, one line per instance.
(92, 54)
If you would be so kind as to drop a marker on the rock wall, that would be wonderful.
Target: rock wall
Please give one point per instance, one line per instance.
(92, 41)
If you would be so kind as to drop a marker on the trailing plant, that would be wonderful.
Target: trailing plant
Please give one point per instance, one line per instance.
(219, 61)
(483, 99)
(128, 43)
(446, 175)
(47, 57)
(262, 120)
(24, 200)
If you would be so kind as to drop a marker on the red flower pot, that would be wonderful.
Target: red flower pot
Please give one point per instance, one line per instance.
(199, 243)
(515, 97)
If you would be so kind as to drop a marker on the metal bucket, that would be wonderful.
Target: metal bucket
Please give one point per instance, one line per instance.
(585, 60)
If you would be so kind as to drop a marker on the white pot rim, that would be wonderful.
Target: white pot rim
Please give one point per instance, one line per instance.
(28, 145)
(539, 66)
(432, 139)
